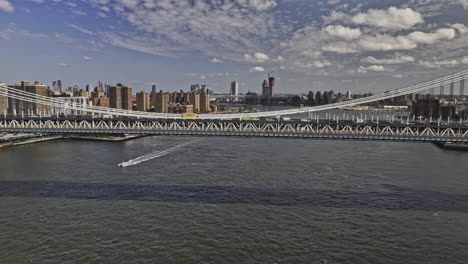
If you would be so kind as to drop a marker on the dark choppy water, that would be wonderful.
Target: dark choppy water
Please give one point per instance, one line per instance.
(233, 200)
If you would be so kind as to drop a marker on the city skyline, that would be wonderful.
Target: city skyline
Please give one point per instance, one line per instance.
(329, 45)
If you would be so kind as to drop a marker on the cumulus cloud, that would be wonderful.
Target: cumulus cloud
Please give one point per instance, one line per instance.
(393, 18)
(399, 59)
(256, 69)
(439, 64)
(256, 57)
(260, 5)
(464, 60)
(384, 42)
(342, 32)
(373, 68)
(6, 6)
(215, 60)
(87, 58)
(462, 29)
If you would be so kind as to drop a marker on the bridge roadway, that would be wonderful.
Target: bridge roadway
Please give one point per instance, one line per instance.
(321, 129)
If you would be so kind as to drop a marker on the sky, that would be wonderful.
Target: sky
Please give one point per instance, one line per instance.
(356, 45)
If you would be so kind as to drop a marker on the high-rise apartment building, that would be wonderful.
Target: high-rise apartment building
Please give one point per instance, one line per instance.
(142, 101)
(120, 97)
(28, 108)
(204, 103)
(162, 102)
(194, 99)
(3, 104)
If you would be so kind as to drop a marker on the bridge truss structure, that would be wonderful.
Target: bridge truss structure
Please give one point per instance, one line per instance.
(422, 132)
(96, 110)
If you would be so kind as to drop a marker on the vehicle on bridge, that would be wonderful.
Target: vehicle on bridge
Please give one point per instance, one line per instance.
(189, 115)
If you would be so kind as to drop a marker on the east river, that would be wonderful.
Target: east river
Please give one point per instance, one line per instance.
(233, 200)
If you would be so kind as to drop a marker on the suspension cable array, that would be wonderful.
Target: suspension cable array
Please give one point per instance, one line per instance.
(62, 104)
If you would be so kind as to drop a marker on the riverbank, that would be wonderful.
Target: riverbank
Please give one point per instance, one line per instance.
(19, 140)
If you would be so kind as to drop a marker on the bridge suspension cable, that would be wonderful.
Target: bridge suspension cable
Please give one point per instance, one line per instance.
(61, 103)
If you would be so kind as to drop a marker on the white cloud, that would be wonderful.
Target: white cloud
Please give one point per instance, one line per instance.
(215, 60)
(279, 59)
(464, 60)
(384, 42)
(256, 69)
(399, 59)
(398, 76)
(438, 64)
(6, 6)
(373, 68)
(87, 58)
(342, 32)
(81, 29)
(393, 18)
(260, 5)
(62, 64)
(257, 57)
(429, 38)
(462, 29)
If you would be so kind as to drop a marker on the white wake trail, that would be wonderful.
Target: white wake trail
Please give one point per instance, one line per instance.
(154, 155)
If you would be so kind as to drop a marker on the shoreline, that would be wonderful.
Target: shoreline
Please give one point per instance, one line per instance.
(33, 140)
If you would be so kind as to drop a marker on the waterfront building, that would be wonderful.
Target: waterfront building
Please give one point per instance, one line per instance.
(28, 108)
(194, 99)
(143, 101)
(3, 104)
(72, 102)
(120, 97)
(180, 109)
(427, 108)
(204, 102)
(162, 102)
(100, 101)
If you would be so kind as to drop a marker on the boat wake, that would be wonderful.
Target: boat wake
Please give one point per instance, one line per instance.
(154, 155)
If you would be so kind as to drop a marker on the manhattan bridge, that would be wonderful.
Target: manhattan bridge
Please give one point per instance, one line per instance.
(101, 120)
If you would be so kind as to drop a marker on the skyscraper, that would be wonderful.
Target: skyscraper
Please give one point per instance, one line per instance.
(265, 87)
(59, 85)
(234, 88)
(153, 88)
(271, 85)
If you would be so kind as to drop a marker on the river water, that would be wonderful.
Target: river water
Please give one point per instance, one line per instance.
(233, 200)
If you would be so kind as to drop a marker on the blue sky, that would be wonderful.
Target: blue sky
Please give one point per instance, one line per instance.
(362, 46)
